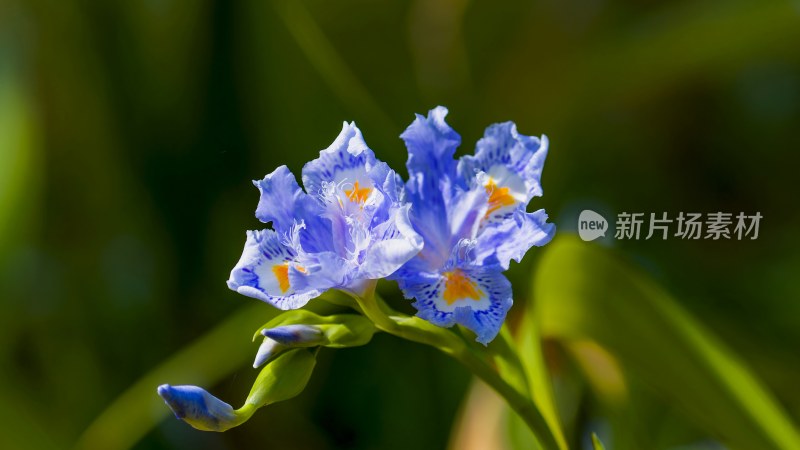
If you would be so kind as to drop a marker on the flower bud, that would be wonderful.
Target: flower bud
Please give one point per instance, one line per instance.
(297, 335)
(198, 408)
(268, 349)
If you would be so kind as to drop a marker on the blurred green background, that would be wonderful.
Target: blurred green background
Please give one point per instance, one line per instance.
(130, 131)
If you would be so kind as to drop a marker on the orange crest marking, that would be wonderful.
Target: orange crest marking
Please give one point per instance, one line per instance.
(358, 194)
(281, 272)
(458, 286)
(498, 197)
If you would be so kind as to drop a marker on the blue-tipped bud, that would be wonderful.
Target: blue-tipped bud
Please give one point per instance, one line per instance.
(296, 335)
(268, 349)
(198, 408)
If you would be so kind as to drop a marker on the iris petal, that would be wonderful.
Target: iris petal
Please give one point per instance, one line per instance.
(431, 144)
(396, 243)
(512, 238)
(503, 151)
(465, 212)
(280, 195)
(476, 297)
(266, 269)
(347, 159)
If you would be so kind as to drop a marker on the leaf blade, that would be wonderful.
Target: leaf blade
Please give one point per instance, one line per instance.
(584, 291)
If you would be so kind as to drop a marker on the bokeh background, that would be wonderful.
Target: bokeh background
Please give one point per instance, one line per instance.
(130, 131)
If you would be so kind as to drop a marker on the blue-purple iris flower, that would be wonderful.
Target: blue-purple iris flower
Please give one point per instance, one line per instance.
(348, 227)
(472, 216)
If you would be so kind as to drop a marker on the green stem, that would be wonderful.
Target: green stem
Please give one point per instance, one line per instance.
(475, 359)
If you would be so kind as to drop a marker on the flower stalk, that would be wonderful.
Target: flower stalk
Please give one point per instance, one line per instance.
(477, 360)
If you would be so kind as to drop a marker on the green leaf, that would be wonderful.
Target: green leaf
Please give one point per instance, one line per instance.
(585, 292)
(596, 444)
(530, 352)
(282, 379)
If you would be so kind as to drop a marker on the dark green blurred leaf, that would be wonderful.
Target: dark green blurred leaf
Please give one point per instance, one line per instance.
(203, 363)
(23, 427)
(634, 63)
(19, 161)
(325, 57)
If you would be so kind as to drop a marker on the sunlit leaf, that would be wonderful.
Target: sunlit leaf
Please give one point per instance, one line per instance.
(596, 444)
(583, 291)
(284, 378)
(530, 352)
